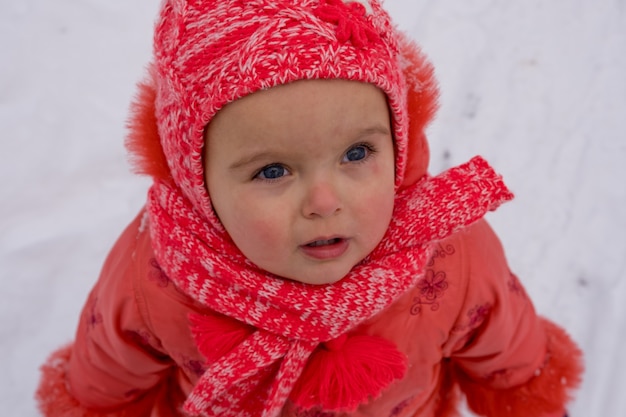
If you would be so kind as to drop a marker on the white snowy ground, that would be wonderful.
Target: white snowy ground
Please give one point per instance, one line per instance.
(536, 86)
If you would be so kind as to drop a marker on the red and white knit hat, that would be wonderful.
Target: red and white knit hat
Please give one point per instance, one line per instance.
(208, 53)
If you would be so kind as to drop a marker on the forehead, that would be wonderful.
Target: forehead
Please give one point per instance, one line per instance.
(304, 114)
(305, 99)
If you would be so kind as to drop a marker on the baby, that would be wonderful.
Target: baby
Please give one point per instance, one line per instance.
(294, 257)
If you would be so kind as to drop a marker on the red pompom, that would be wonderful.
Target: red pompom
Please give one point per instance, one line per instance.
(348, 371)
(54, 398)
(217, 335)
(143, 140)
(547, 393)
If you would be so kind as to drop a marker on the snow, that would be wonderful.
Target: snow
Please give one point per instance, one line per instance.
(535, 86)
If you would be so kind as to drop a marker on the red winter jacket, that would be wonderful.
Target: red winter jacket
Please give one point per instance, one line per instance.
(467, 326)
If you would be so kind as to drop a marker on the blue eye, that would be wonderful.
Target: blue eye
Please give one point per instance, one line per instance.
(272, 172)
(358, 153)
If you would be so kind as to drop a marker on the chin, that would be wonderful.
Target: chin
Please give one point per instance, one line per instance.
(323, 279)
(319, 276)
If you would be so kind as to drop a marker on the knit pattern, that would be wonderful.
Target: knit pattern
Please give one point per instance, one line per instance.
(293, 318)
(209, 53)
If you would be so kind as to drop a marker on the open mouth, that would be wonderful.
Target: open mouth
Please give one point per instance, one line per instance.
(326, 249)
(327, 242)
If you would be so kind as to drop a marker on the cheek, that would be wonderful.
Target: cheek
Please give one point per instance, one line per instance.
(263, 231)
(255, 231)
(377, 209)
(380, 207)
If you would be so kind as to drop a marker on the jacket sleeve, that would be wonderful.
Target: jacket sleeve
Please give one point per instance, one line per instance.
(508, 361)
(115, 366)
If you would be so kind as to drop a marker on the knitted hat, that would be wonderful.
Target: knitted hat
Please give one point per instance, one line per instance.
(208, 53)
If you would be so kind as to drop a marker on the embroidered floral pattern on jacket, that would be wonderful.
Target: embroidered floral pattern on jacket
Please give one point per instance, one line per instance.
(92, 316)
(140, 337)
(157, 275)
(478, 314)
(515, 286)
(144, 339)
(431, 289)
(351, 20)
(400, 407)
(440, 252)
(475, 317)
(195, 367)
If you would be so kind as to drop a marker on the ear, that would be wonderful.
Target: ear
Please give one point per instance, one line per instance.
(142, 140)
(422, 104)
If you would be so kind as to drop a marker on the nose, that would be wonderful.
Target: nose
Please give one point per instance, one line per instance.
(322, 199)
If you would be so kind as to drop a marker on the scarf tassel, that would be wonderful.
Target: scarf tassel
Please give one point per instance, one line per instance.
(348, 371)
(340, 375)
(216, 335)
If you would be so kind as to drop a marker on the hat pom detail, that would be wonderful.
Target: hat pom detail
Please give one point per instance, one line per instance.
(351, 21)
(348, 371)
(142, 141)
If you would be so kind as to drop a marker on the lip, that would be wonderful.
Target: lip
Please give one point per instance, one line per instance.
(324, 248)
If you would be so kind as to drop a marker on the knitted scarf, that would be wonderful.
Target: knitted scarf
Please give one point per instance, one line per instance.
(262, 332)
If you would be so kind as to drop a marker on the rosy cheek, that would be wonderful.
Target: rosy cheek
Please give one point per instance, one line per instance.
(265, 232)
(260, 231)
(378, 210)
(253, 221)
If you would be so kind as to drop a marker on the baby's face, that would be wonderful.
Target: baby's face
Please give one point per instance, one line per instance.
(302, 176)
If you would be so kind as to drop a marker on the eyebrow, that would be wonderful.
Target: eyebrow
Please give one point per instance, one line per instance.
(251, 159)
(270, 155)
(373, 130)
